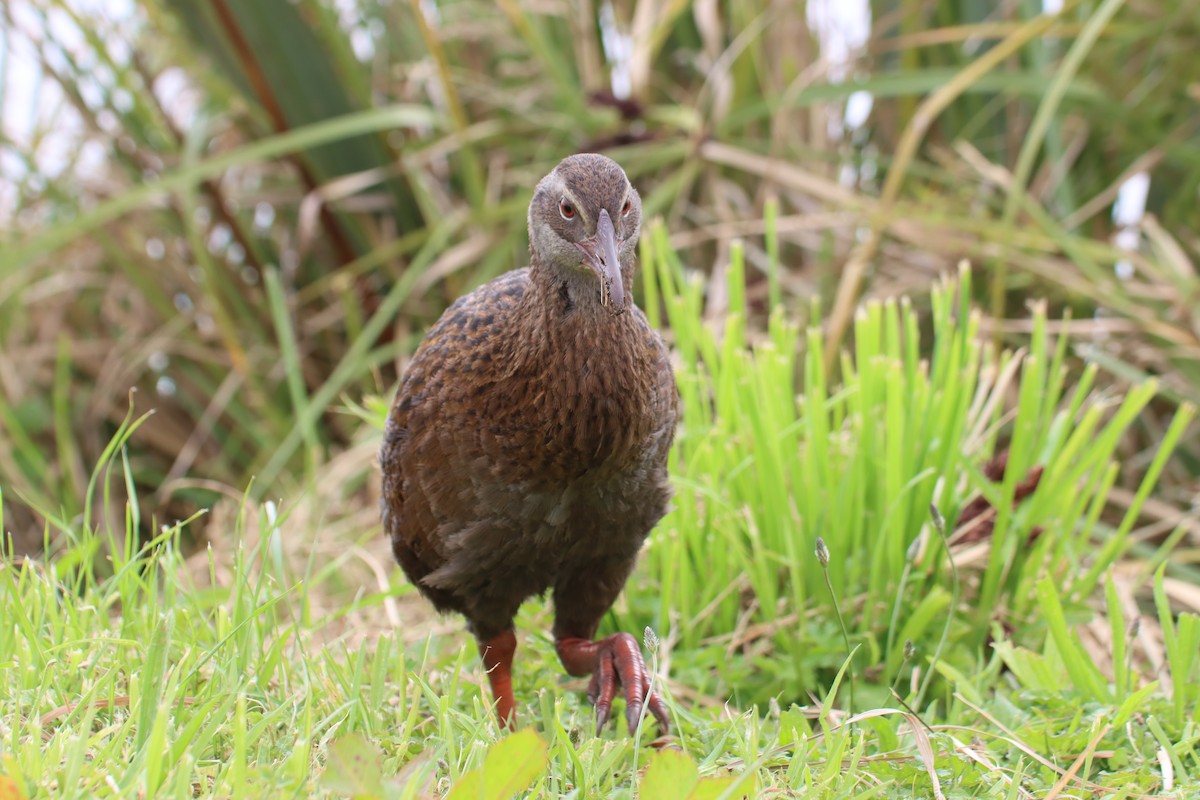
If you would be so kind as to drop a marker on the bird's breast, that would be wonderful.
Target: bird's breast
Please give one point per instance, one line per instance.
(591, 421)
(585, 414)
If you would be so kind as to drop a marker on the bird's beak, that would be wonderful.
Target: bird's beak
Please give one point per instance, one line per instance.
(600, 253)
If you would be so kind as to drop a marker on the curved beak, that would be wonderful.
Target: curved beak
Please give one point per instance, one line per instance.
(600, 253)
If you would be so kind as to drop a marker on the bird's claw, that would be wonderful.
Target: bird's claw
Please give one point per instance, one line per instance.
(621, 663)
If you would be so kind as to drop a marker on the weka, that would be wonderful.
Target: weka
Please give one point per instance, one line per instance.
(526, 448)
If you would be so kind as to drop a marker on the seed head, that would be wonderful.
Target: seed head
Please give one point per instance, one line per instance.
(935, 515)
(822, 553)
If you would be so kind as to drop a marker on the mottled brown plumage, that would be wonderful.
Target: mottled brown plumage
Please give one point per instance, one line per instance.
(526, 449)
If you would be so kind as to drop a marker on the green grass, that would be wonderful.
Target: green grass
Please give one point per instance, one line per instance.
(767, 463)
(283, 662)
(159, 681)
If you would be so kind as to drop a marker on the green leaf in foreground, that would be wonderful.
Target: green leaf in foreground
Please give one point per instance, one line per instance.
(354, 768)
(510, 766)
(672, 775)
(10, 789)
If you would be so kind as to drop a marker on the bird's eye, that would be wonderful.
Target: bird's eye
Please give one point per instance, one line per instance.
(566, 209)
(625, 209)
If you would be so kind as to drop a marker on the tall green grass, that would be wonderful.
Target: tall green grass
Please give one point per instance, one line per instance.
(772, 454)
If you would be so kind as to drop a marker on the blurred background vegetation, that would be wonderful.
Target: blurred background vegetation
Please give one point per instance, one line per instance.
(250, 211)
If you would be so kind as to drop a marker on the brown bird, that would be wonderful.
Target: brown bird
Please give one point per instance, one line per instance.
(526, 448)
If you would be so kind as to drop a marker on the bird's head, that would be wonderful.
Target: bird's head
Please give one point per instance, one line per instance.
(584, 221)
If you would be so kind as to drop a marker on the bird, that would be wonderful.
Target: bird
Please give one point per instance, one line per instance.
(526, 448)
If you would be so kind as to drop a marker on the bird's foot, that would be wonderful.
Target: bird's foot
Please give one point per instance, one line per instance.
(615, 660)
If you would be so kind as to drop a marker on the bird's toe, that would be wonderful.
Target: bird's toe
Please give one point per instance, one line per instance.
(621, 663)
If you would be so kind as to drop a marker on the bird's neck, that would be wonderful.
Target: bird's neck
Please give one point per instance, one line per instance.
(565, 298)
(591, 372)
(569, 328)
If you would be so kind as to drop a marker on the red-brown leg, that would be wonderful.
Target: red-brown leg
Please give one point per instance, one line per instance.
(497, 655)
(612, 661)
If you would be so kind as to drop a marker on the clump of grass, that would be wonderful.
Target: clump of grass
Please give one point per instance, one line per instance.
(771, 452)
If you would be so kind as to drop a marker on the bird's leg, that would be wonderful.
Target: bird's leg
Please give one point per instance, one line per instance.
(497, 655)
(614, 660)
